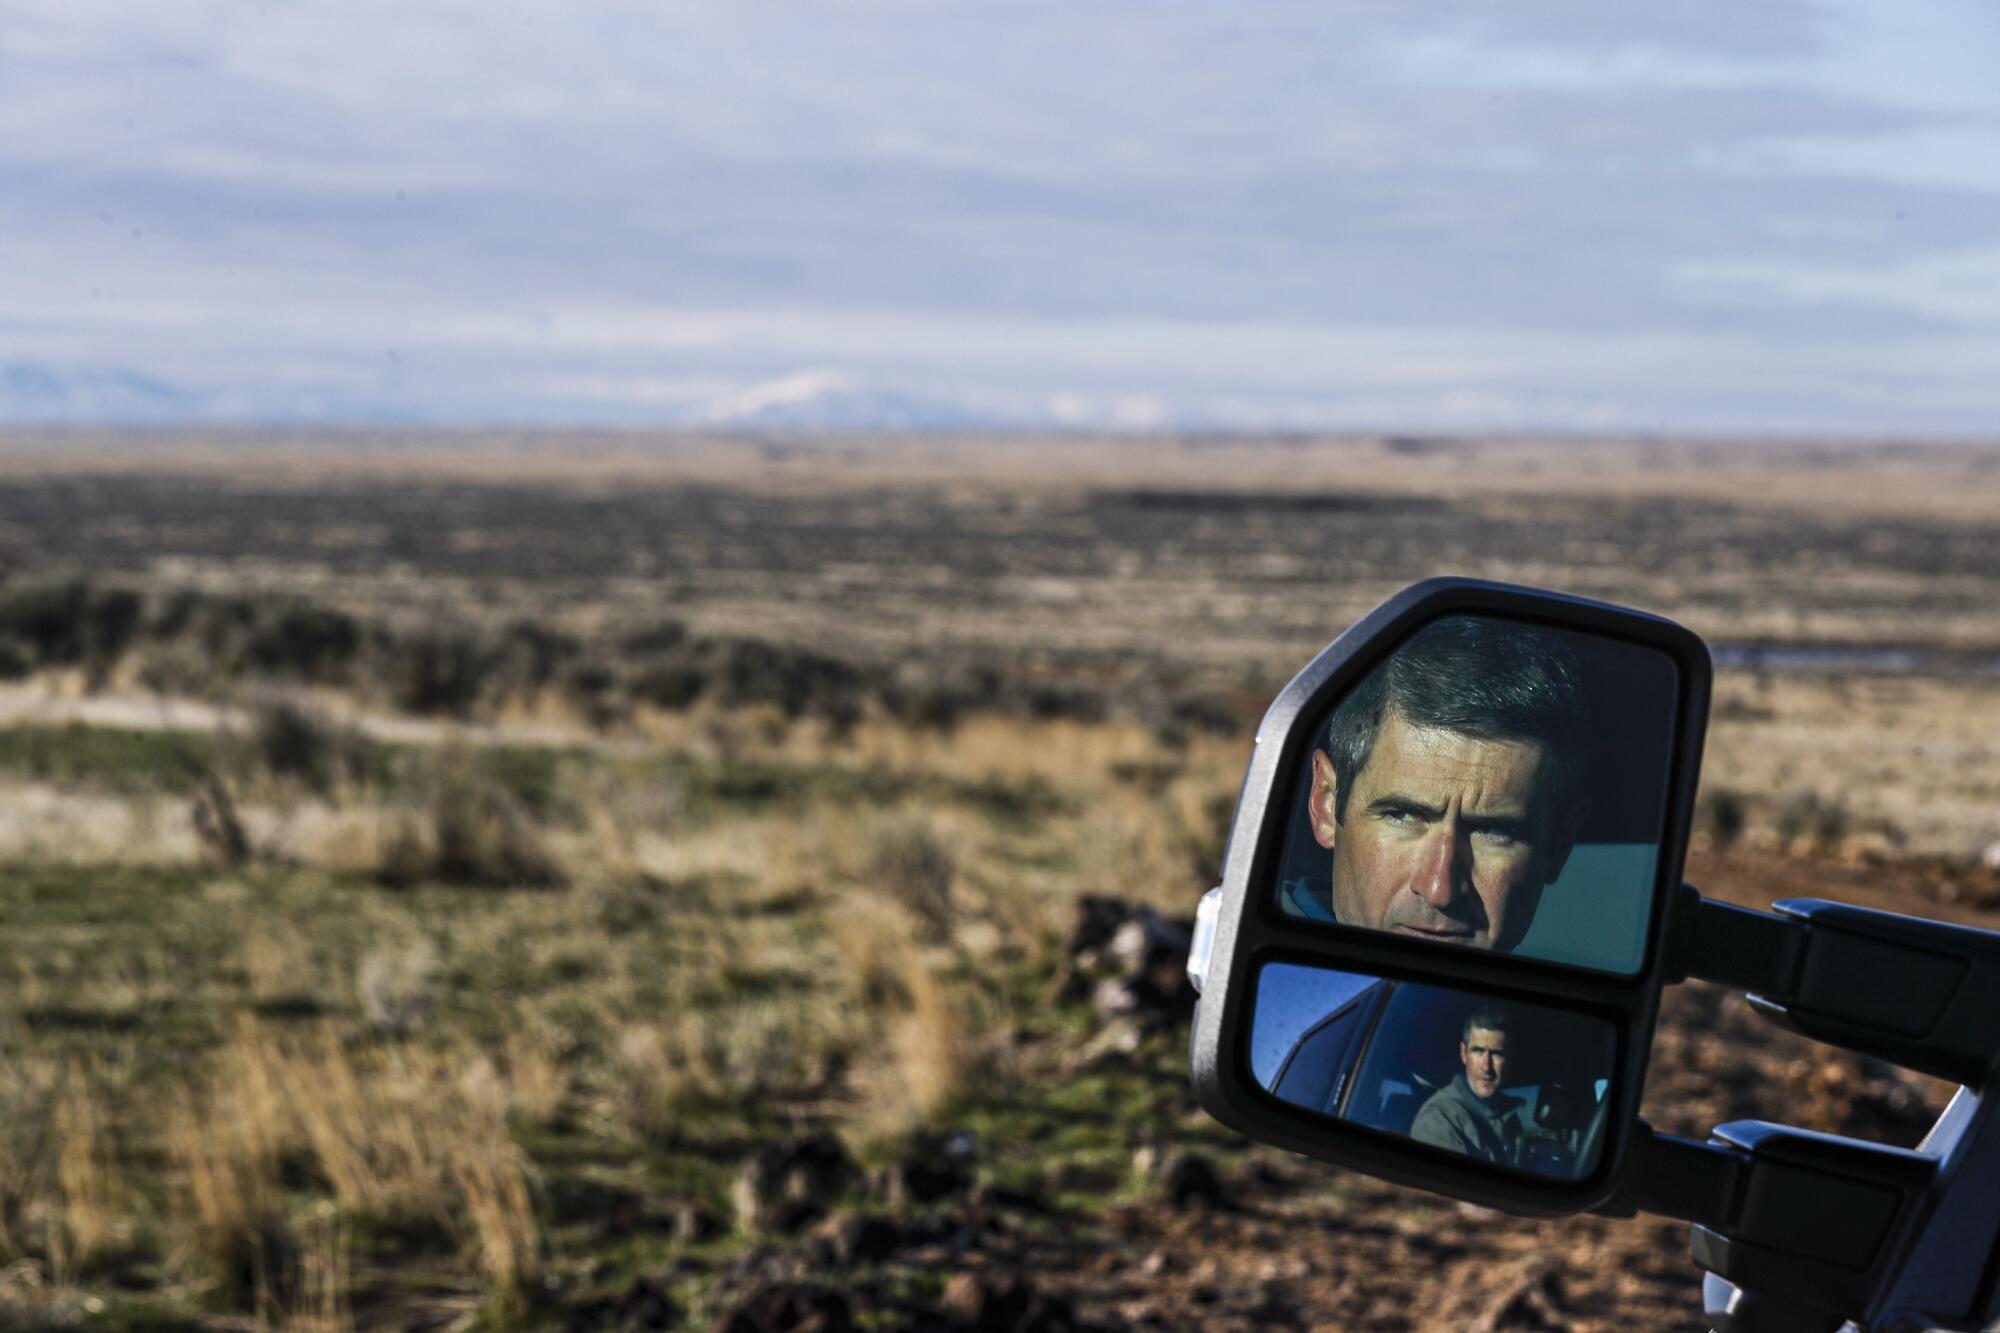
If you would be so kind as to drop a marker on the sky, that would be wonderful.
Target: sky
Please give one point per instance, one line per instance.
(1551, 215)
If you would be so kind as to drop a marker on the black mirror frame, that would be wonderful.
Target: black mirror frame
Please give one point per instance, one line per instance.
(1249, 930)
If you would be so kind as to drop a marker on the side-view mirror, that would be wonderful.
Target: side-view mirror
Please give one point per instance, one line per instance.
(1451, 899)
(1435, 954)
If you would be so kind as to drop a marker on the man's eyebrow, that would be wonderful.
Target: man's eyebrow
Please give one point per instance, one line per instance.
(1516, 826)
(1393, 804)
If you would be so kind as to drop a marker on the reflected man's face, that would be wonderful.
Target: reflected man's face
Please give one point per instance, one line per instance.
(1484, 1055)
(1447, 837)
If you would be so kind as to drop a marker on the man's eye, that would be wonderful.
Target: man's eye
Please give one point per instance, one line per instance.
(1497, 837)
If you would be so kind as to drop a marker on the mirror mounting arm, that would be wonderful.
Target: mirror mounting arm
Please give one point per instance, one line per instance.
(1732, 946)
(1679, 1178)
(1917, 993)
(1801, 1219)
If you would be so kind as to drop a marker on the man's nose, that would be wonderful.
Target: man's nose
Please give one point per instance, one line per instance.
(1438, 874)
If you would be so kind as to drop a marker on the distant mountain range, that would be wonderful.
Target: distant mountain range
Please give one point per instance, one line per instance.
(34, 393)
(828, 400)
(37, 393)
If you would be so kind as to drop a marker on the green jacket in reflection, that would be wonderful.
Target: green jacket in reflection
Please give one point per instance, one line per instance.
(1454, 1118)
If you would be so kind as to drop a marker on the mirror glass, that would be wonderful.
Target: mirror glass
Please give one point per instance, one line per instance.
(1517, 1085)
(1492, 784)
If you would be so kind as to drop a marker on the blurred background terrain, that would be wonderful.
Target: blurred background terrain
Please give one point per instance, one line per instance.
(620, 882)
(627, 631)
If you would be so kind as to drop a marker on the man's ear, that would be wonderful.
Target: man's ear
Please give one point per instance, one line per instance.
(1322, 803)
(1568, 825)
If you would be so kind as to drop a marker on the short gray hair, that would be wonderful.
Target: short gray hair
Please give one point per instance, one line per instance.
(1485, 1017)
(1480, 677)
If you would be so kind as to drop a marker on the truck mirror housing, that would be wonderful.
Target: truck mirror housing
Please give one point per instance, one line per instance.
(1437, 951)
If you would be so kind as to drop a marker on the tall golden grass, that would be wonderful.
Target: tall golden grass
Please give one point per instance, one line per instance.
(927, 1044)
(85, 1181)
(403, 1134)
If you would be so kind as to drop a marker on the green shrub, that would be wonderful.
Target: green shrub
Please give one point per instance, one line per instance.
(468, 830)
(912, 865)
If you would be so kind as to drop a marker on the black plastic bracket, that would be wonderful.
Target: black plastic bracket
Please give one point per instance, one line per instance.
(1732, 946)
(1935, 1270)
(1676, 1177)
(1817, 1216)
(1917, 993)
(1807, 1222)
(1799, 1231)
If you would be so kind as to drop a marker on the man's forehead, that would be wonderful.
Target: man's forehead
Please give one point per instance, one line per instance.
(1491, 1038)
(1411, 755)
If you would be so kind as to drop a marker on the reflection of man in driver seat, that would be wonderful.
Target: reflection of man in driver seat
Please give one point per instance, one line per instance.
(1470, 1115)
(1448, 791)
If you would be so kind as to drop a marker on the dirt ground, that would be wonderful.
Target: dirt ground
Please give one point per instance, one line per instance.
(1304, 1246)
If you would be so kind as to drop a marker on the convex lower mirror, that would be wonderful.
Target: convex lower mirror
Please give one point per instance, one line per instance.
(1516, 1085)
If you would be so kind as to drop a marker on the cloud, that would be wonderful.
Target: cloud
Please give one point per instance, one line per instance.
(1038, 198)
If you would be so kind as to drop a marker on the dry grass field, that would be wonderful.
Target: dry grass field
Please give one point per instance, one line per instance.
(520, 882)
